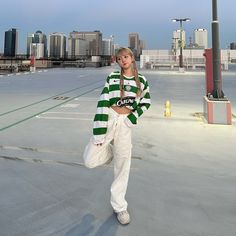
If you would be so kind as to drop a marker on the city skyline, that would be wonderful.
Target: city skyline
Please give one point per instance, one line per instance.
(152, 21)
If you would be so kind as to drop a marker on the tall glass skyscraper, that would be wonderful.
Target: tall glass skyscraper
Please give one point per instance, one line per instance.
(38, 38)
(11, 43)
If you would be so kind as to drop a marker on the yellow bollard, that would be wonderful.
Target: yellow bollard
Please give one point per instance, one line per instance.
(167, 112)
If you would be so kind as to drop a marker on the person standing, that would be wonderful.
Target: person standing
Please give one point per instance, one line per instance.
(123, 100)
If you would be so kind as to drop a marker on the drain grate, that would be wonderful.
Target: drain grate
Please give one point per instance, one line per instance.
(60, 98)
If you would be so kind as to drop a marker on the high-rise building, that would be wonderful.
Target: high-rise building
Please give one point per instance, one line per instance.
(232, 46)
(11, 43)
(108, 46)
(200, 38)
(37, 38)
(94, 39)
(57, 45)
(142, 45)
(77, 46)
(116, 48)
(134, 43)
(37, 50)
(177, 39)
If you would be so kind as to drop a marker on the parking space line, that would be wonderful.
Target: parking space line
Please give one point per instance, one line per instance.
(46, 99)
(48, 109)
(69, 113)
(60, 118)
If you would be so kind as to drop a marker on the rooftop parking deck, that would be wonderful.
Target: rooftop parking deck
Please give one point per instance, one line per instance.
(182, 180)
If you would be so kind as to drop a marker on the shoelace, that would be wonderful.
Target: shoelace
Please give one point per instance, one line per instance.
(122, 213)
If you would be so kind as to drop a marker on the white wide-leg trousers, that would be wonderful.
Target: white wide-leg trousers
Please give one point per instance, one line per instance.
(120, 135)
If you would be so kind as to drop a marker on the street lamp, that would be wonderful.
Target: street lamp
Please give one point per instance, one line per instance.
(181, 20)
(174, 46)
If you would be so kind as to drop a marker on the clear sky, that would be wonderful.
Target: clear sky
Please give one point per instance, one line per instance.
(150, 18)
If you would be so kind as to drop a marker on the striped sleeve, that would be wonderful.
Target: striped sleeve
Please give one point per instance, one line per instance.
(140, 105)
(101, 116)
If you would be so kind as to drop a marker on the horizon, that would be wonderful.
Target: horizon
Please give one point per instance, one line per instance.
(66, 16)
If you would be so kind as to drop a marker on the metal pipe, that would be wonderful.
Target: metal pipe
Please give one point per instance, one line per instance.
(181, 64)
(181, 45)
(216, 60)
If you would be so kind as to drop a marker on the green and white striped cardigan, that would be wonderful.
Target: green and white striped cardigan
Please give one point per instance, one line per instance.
(111, 96)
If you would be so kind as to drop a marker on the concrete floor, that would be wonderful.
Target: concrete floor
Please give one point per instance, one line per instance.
(182, 180)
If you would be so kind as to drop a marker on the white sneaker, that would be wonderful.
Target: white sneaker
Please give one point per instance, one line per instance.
(123, 217)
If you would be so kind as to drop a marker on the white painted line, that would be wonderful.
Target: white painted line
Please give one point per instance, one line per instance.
(81, 76)
(70, 113)
(61, 118)
(86, 99)
(70, 105)
(10, 147)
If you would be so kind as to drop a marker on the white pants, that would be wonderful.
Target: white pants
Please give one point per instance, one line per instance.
(120, 135)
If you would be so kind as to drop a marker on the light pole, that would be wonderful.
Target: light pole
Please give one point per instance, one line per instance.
(217, 92)
(181, 20)
(216, 107)
(174, 46)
